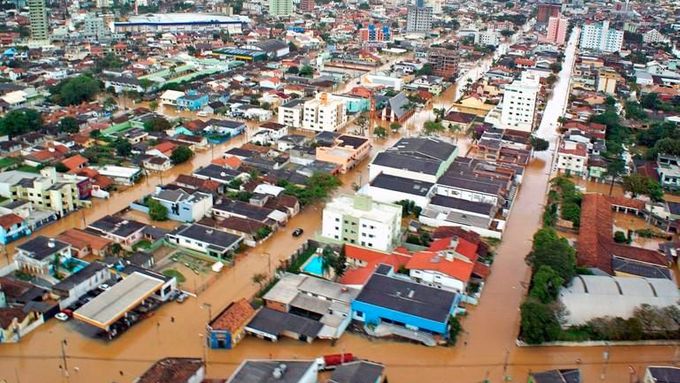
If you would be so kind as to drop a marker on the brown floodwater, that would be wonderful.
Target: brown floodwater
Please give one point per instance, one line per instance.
(486, 350)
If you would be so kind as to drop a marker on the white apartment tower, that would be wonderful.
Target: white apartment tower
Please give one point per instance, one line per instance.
(519, 103)
(419, 19)
(360, 220)
(598, 36)
(323, 113)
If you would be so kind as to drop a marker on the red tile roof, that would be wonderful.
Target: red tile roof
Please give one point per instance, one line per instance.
(459, 268)
(596, 246)
(9, 220)
(171, 370)
(74, 162)
(235, 316)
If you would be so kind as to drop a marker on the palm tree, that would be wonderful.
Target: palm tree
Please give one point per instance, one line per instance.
(455, 129)
(259, 278)
(615, 168)
(439, 114)
(328, 259)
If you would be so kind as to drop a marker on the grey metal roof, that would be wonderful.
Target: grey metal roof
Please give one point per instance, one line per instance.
(397, 160)
(244, 209)
(557, 376)
(276, 322)
(217, 173)
(208, 235)
(262, 371)
(79, 277)
(117, 226)
(665, 374)
(42, 247)
(403, 185)
(468, 183)
(641, 269)
(426, 147)
(357, 372)
(407, 297)
(461, 204)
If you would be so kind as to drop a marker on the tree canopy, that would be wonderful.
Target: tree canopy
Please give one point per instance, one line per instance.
(157, 211)
(157, 124)
(20, 121)
(549, 249)
(539, 323)
(638, 185)
(69, 125)
(181, 154)
(76, 90)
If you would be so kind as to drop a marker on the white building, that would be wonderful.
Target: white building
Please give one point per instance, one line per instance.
(572, 158)
(519, 103)
(182, 22)
(419, 19)
(598, 36)
(170, 97)
(488, 38)
(653, 36)
(290, 114)
(323, 113)
(360, 220)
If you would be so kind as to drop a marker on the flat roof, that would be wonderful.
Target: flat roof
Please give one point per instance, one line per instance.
(113, 303)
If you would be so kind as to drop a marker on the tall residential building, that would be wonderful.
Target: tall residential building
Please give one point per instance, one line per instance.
(280, 7)
(519, 103)
(444, 62)
(557, 30)
(103, 3)
(307, 5)
(598, 36)
(375, 33)
(546, 11)
(419, 19)
(95, 27)
(323, 113)
(37, 13)
(362, 221)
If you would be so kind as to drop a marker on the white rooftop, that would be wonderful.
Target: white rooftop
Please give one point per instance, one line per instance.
(122, 297)
(592, 296)
(185, 18)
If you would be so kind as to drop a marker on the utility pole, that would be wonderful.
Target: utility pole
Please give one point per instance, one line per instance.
(605, 355)
(506, 377)
(64, 362)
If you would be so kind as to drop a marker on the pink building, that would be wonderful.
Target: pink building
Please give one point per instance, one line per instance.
(557, 30)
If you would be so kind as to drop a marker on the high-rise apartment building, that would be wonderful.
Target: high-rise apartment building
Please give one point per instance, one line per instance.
(557, 30)
(444, 62)
(323, 113)
(419, 18)
(375, 33)
(519, 103)
(546, 11)
(307, 5)
(280, 7)
(360, 220)
(599, 37)
(37, 13)
(103, 3)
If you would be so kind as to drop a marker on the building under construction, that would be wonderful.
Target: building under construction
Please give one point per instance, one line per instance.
(444, 62)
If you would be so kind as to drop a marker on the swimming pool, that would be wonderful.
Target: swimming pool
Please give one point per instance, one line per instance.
(314, 266)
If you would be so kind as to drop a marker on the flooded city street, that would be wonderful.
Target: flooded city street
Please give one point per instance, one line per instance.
(486, 350)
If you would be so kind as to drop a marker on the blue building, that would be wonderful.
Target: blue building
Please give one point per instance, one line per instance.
(192, 101)
(401, 302)
(12, 227)
(228, 328)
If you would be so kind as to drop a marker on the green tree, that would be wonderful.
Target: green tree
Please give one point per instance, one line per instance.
(364, 6)
(153, 105)
(426, 70)
(432, 127)
(634, 111)
(650, 101)
(20, 121)
(69, 125)
(328, 259)
(546, 284)
(539, 323)
(395, 126)
(306, 71)
(380, 132)
(615, 168)
(181, 154)
(259, 279)
(157, 124)
(293, 70)
(61, 168)
(539, 144)
(620, 237)
(455, 328)
(507, 33)
(157, 211)
(610, 101)
(76, 90)
(439, 114)
(123, 147)
(549, 249)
